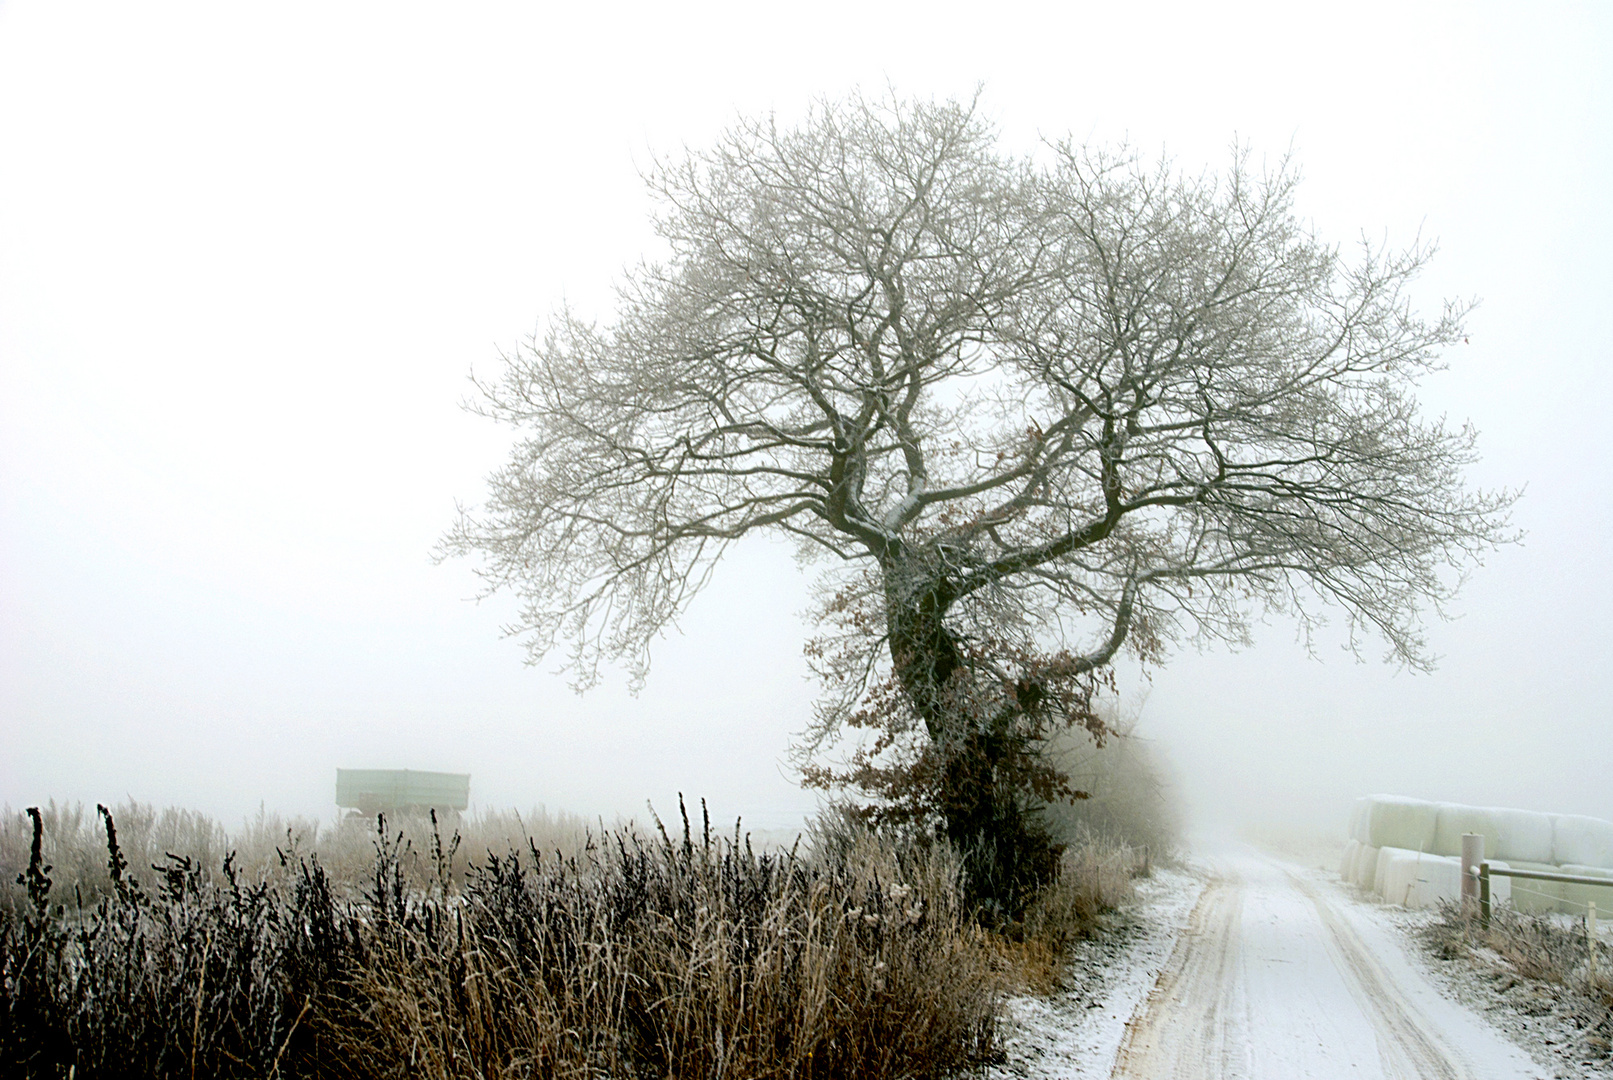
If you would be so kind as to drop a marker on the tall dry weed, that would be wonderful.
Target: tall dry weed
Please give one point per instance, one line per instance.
(1545, 948)
(1097, 875)
(691, 956)
(668, 956)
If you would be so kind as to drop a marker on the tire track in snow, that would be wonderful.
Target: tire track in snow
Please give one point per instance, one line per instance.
(1276, 978)
(1180, 1021)
(1406, 1049)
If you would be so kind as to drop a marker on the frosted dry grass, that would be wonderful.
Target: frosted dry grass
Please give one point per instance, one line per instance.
(1097, 875)
(1542, 947)
(855, 962)
(659, 956)
(1532, 975)
(265, 844)
(626, 955)
(75, 847)
(347, 850)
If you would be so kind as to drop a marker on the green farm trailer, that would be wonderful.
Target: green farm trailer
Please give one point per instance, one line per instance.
(393, 791)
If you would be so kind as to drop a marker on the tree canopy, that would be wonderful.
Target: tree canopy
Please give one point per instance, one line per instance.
(1025, 411)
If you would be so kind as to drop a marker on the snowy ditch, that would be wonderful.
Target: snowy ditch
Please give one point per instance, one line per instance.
(1076, 1033)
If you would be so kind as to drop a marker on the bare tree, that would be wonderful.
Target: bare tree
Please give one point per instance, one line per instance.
(1032, 412)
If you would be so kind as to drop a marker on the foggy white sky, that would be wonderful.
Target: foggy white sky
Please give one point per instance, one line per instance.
(248, 254)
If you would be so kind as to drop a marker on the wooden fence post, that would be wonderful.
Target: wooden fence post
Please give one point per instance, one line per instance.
(1484, 894)
(1590, 938)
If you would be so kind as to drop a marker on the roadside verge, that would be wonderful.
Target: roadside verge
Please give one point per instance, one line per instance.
(1076, 1033)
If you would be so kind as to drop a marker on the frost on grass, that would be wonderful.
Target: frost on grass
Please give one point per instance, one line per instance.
(666, 955)
(1531, 978)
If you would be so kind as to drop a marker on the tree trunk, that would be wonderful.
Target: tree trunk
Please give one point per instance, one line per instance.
(926, 655)
(1008, 855)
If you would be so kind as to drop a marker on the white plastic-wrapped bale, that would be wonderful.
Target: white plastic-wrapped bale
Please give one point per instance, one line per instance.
(1359, 815)
(1347, 860)
(1389, 881)
(1439, 880)
(1582, 841)
(1397, 872)
(1534, 897)
(1577, 896)
(1455, 820)
(1366, 857)
(1523, 836)
(1386, 880)
(1395, 821)
(1366, 867)
(1419, 881)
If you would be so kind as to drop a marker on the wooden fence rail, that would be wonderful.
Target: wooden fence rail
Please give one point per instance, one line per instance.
(1477, 871)
(1480, 874)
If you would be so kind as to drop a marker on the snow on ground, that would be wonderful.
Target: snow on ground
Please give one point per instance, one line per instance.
(1281, 975)
(1542, 1019)
(1281, 972)
(1076, 1034)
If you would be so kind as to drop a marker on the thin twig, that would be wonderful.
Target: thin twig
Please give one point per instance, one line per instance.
(274, 1069)
(201, 985)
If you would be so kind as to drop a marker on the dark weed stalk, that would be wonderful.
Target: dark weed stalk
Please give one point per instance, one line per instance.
(127, 888)
(37, 878)
(442, 861)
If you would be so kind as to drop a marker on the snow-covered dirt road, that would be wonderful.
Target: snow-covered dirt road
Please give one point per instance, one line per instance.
(1278, 976)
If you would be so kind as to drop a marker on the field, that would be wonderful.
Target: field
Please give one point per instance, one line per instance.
(139, 942)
